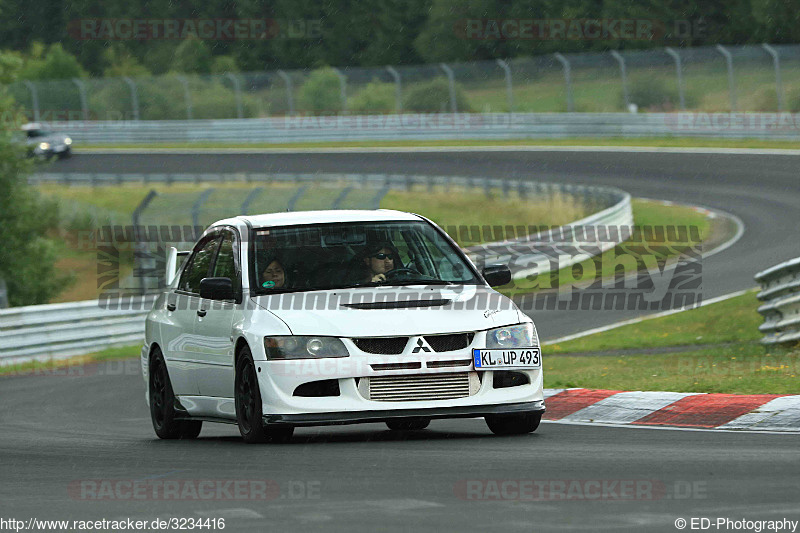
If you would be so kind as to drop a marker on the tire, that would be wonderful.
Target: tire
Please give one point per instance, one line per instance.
(249, 414)
(408, 424)
(514, 424)
(162, 404)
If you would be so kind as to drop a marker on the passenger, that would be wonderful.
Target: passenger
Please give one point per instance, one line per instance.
(274, 276)
(379, 259)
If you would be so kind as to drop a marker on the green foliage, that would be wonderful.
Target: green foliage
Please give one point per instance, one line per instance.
(163, 98)
(321, 93)
(434, 97)
(192, 55)
(57, 63)
(28, 258)
(122, 63)
(10, 65)
(224, 64)
(375, 97)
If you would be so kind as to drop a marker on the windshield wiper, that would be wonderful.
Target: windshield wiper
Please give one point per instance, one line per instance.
(419, 282)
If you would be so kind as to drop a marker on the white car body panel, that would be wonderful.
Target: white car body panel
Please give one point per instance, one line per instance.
(200, 351)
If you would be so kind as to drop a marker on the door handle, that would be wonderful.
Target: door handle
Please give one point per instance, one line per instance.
(201, 312)
(171, 307)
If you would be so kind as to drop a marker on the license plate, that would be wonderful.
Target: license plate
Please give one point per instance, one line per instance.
(516, 358)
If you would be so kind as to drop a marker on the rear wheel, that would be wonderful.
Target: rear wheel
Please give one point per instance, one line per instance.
(249, 414)
(408, 424)
(162, 404)
(513, 424)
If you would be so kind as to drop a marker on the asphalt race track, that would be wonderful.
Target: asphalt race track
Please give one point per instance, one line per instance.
(72, 442)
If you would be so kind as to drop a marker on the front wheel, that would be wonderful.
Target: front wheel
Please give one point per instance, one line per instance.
(249, 414)
(513, 424)
(162, 405)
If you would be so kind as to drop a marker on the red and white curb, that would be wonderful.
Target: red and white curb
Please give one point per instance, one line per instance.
(749, 412)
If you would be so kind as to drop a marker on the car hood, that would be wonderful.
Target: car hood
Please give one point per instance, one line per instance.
(387, 311)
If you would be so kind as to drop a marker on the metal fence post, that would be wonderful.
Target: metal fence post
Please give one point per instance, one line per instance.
(34, 99)
(398, 89)
(509, 87)
(198, 204)
(141, 246)
(187, 97)
(82, 95)
(679, 70)
(624, 73)
(776, 60)
(289, 91)
(731, 81)
(342, 88)
(567, 79)
(451, 79)
(251, 196)
(238, 88)
(3, 294)
(134, 97)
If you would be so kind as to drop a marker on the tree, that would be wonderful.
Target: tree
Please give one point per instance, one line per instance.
(57, 63)
(193, 56)
(28, 260)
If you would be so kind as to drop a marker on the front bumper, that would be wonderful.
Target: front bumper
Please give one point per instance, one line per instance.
(357, 417)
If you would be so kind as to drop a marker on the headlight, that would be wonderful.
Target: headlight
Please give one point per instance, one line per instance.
(521, 336)
(67, 141)
(297, 347)
(44, 146)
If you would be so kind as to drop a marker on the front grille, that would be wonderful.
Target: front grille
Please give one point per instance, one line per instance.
(422, 387)
(450, 342)
(395, 366)
(381, 345)
(449, 363)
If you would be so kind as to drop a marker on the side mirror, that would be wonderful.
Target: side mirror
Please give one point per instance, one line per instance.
(216, 289)
(495, 275)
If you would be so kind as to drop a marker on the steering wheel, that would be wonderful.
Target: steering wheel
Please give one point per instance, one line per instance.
(400, 272)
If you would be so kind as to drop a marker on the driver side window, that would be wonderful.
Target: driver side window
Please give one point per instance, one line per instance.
(198, 267)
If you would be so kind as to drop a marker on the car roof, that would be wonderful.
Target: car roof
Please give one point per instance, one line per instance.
(295, 218)
(31, 126)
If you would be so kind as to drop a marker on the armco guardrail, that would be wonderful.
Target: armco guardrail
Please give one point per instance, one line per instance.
(67, 329)
(434, 126)
(780, 290)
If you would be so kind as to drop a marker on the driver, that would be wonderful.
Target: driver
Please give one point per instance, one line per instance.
(379, 259)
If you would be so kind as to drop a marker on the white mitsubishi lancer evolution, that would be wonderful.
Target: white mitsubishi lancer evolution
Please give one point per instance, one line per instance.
(336, 317)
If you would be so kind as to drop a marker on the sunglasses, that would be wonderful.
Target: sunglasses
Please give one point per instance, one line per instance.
(381, 256)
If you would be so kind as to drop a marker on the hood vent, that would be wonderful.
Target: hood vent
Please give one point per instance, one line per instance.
(405, 304)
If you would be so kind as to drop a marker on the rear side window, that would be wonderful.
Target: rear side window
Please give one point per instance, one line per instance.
(198, 267)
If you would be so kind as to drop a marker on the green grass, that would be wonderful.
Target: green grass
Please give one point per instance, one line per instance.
(645, 213)
(732, 320)
(739, 369)
(712, 349)
(69, 366)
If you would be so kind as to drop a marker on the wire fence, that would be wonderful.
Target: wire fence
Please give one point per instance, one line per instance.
(762, 78)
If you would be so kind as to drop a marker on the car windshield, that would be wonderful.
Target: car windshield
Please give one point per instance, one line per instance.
(347, 255)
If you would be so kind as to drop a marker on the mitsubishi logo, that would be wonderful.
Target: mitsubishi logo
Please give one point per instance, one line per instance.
(421, 346)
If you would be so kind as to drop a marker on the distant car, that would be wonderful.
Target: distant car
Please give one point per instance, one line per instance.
(277, 321)
(46, 144)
